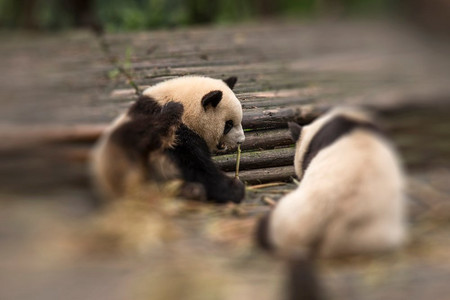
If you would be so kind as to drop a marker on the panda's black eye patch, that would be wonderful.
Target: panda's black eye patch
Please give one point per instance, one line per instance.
(228, 125)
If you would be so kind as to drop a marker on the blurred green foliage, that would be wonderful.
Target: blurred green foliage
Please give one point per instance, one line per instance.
(143, 14)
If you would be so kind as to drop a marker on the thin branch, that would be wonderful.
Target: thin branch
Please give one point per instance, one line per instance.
(238, 160)
(106, 49)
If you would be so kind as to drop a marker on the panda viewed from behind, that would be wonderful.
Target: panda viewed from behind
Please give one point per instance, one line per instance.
(350, 199)
(169, 133)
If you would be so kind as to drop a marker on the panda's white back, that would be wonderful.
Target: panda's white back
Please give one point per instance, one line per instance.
(350, 200)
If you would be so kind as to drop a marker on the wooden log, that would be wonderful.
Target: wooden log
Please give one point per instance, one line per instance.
(266, 103)
(264, 139)
(257, 159)
(126, 95)
(278, 118)
(25, 137)
(258, 176)
(254, 119)
(227, 162)
(399, 123)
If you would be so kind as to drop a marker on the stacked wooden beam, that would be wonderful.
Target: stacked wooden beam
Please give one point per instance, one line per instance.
(59, 155)
(51, 156)
(268, 149)
(283, 71)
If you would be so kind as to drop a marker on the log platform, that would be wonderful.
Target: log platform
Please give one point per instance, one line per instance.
(59, 91)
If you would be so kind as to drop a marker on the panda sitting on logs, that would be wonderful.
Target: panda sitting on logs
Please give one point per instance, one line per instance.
(350, 199)
(351, 196)
(169, 134)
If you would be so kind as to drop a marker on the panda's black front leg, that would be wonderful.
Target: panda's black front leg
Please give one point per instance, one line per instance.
(219, 187)
(233, 188)
(192, 157)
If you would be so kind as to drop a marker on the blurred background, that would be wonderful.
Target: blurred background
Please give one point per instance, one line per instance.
(68, 68)
(116, 15)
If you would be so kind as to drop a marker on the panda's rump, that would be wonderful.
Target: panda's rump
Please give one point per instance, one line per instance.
(362, 177)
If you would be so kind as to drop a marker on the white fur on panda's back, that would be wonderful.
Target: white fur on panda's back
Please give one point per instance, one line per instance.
(350, 200)
(309, 131)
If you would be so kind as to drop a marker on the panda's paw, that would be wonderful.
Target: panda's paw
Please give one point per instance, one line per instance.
(172, 112)
(237, 190)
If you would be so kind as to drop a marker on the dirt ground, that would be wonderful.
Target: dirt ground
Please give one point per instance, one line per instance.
(57, 247)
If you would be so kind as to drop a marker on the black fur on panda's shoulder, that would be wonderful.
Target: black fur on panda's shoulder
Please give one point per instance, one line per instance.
(192, 157)
(331, 132)
(149, 125)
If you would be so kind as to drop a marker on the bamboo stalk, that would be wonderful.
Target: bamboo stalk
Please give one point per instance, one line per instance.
(269, 201)
(238, 160)
(265, 185)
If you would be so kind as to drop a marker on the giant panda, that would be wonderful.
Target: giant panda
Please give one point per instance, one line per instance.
(351, 193)
(168, 134)
(350, 198)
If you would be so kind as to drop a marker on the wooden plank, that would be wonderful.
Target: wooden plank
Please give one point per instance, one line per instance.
(266, 175)
(264, 139)
(278, 118)
(27, 136)
(356, 63)
(257, 159)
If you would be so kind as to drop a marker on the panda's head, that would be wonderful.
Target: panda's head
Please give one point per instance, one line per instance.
(323, 131)
(211, 109)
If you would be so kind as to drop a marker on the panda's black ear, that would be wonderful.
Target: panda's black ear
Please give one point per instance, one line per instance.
(212, 98)
(296, 130)
(231, 81)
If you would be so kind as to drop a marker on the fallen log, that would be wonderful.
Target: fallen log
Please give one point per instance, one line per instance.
(264, 139)
(266, 175)
(25, 137)
(261, 119)
(278, 118)
(266, 103)
(227, 162)
(257, 159)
